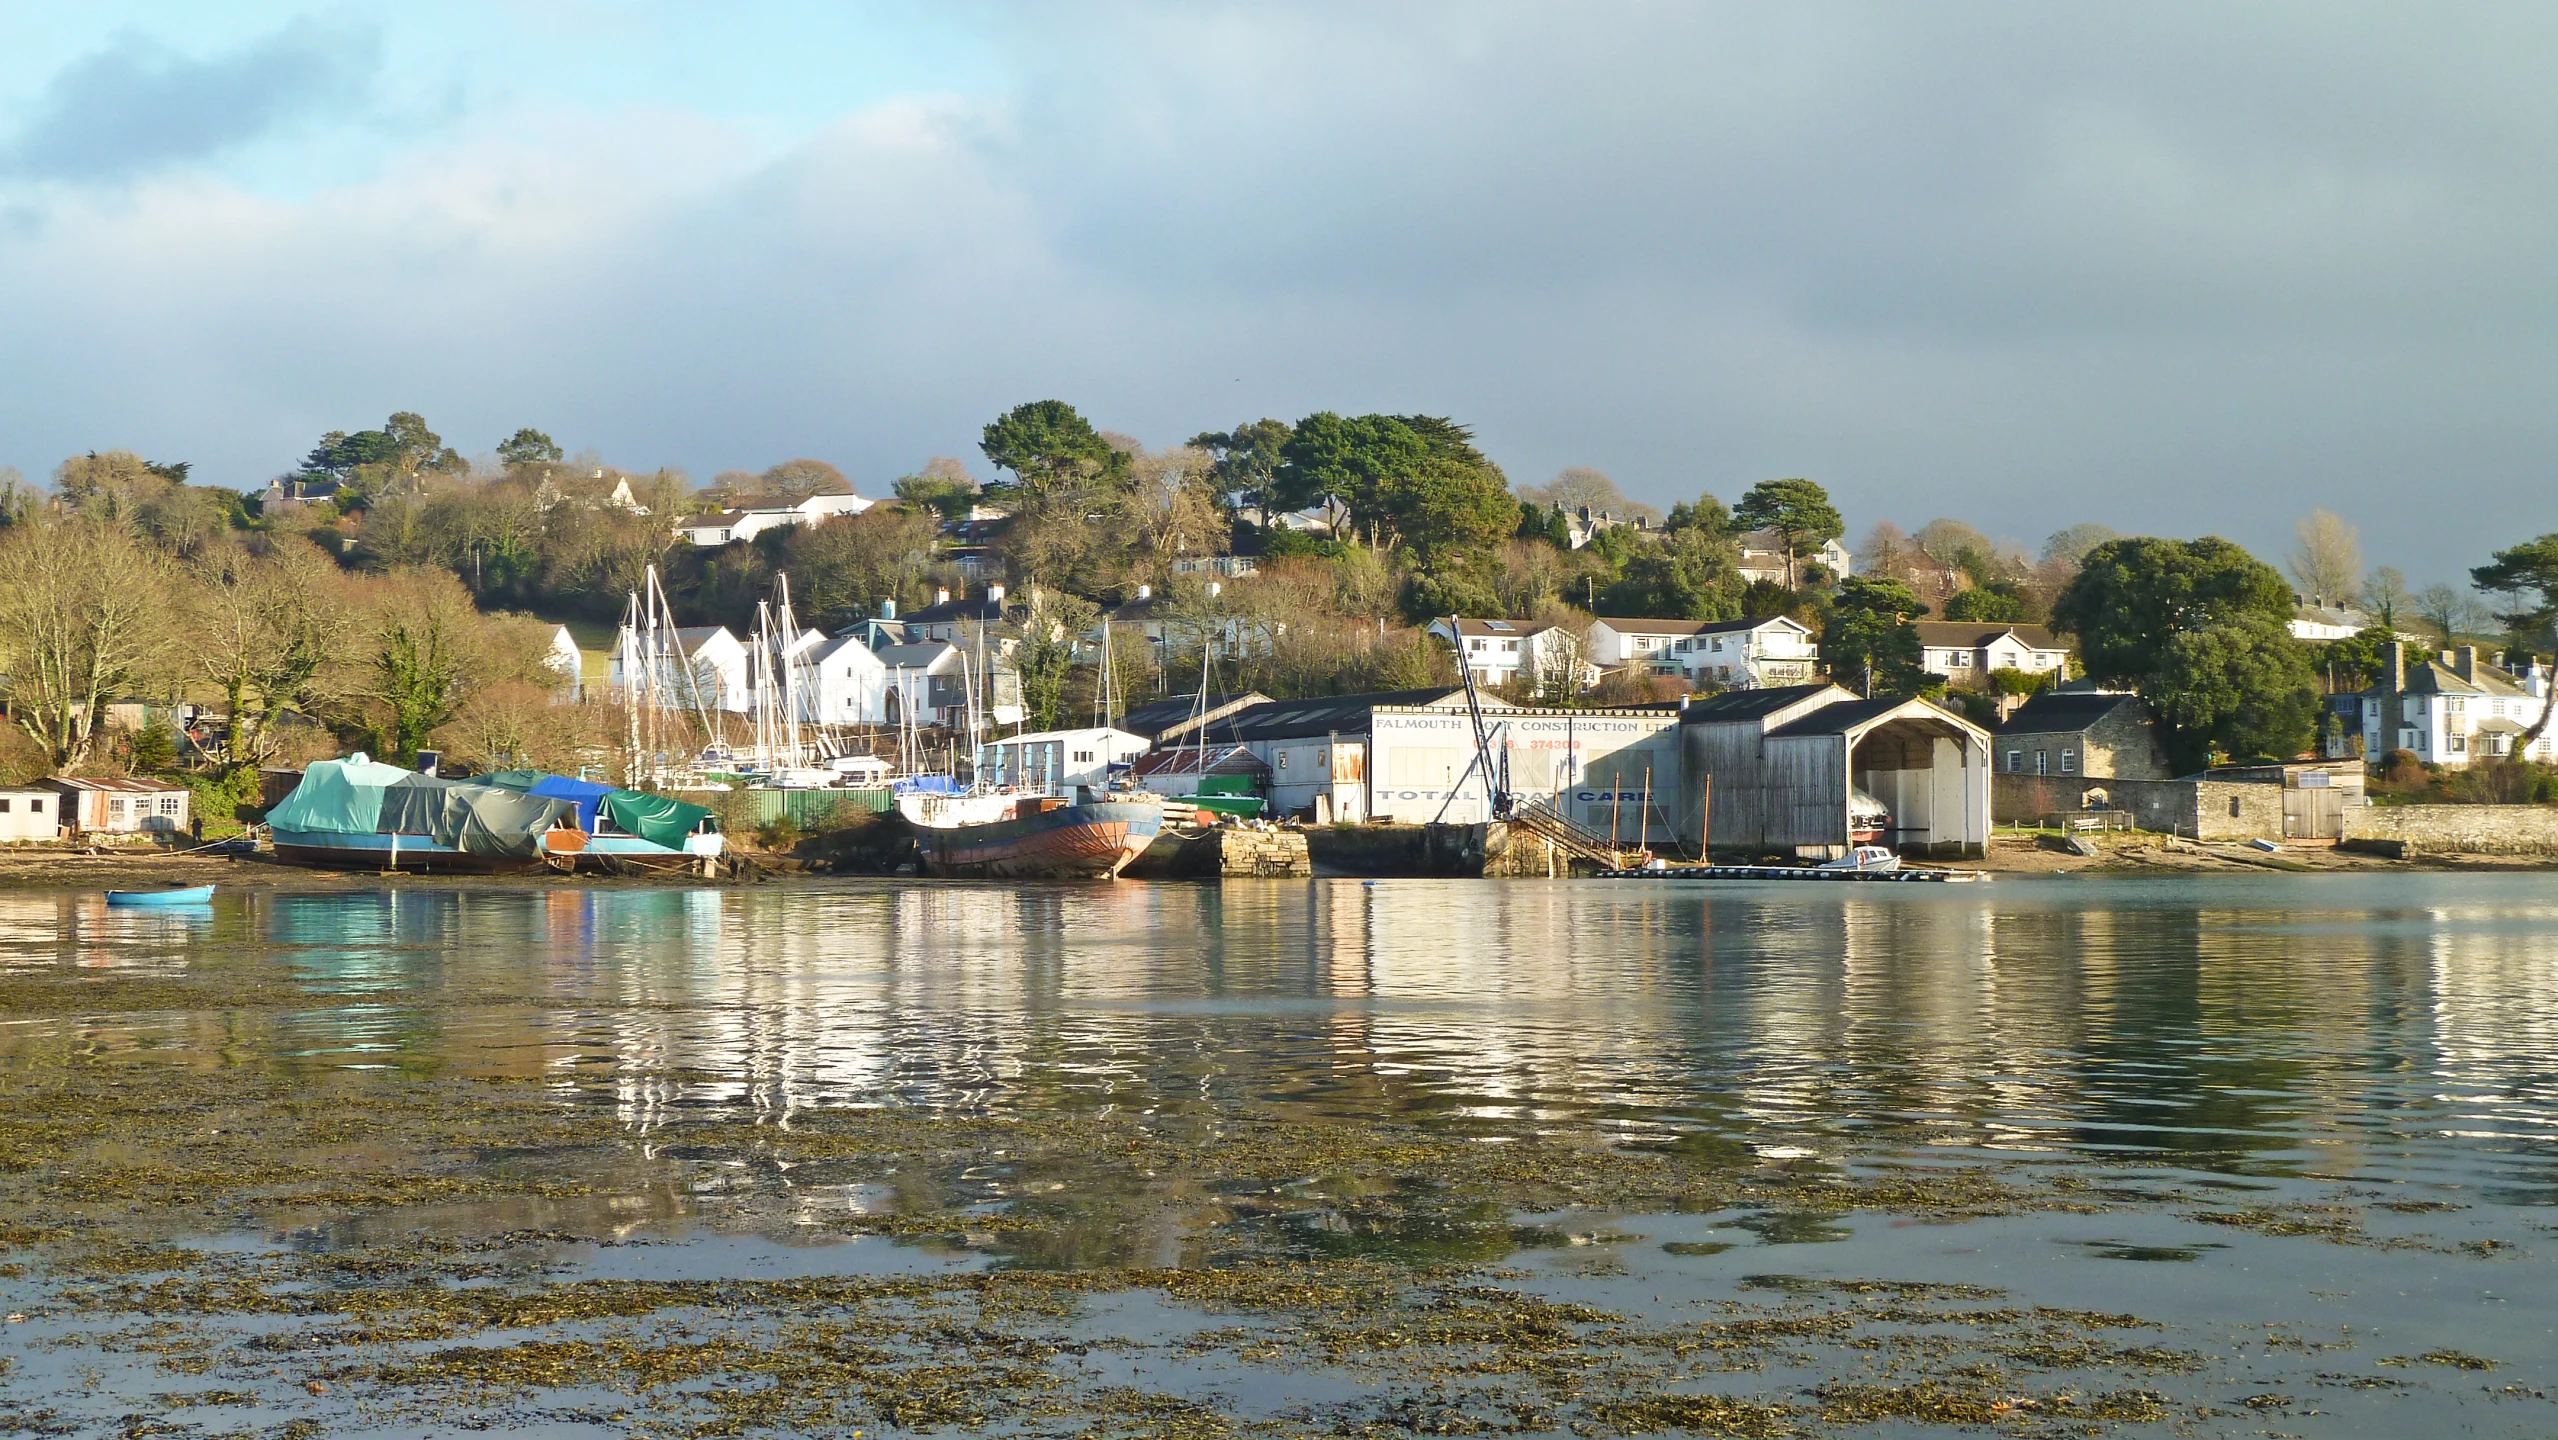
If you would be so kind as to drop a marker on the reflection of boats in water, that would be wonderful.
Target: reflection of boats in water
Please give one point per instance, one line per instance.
(1002, 835)
(358, 814)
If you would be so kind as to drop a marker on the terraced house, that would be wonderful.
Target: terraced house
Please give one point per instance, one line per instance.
(2451, 709)
(1732, 654)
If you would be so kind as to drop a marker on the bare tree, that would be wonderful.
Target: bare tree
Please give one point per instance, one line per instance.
(2326, 560)
(2069, 547)
(83, 617)
(260, 629)
(1579, 487)
(2451, 613)
(1172, 507)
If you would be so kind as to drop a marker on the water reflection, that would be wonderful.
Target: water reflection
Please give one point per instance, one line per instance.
(2398, 1028)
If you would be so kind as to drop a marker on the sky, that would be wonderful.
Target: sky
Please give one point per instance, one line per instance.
(2176, 268)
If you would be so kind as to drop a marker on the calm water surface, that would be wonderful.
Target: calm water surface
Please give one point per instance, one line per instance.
(2379, 1041)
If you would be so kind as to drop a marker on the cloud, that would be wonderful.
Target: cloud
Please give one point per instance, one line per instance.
(2177, 271)
(136, 106)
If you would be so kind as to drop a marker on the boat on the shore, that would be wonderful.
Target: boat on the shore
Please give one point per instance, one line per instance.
(1012, 836)
(175, 895)
(360, 814)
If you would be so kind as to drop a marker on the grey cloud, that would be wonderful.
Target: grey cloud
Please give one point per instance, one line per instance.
(2177, 270)
(136, 106)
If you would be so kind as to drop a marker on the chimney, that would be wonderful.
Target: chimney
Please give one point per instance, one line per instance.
(1145, 592)
(941, 596)
(2464, 662)
(994, 594)
(2393, 665)
(888, 609)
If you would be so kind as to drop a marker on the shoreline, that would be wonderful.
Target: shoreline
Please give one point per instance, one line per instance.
(2009, 859)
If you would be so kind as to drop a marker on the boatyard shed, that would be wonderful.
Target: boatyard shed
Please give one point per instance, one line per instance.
(1168, 720)
(29, 812)
(1058, 762)
(1607, 770)
(1781, 769)
(1317, 750)
(120, 804)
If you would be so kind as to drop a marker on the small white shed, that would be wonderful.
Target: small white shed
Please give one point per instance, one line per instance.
(28, 813)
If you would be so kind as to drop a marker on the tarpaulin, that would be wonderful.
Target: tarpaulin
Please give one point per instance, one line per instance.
(653, 817)
(474, 818)
(338, 797)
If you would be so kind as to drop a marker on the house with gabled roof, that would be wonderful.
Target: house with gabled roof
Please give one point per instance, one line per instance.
(1965, 652)
(2451, 709)
(1734, 654)
(1498, 651)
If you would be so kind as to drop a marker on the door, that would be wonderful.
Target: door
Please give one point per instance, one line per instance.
(2313, 813)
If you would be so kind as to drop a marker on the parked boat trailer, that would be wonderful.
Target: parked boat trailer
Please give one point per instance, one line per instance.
(1792, 872)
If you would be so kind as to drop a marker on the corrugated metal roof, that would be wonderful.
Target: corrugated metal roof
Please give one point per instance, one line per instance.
(113, 784)
(1734, 705)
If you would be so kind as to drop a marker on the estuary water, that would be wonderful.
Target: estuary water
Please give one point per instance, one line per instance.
(2296, 1136)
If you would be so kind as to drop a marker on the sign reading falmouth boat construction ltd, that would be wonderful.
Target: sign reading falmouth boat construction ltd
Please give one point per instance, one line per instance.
(1592, 763)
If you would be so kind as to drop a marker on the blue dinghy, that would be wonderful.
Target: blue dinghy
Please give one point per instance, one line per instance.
(191, 895)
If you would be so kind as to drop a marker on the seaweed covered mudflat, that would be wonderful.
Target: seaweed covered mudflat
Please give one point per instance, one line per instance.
(260, 1193)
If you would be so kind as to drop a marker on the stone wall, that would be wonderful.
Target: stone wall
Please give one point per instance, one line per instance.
(2196, 809)
(2453, 829)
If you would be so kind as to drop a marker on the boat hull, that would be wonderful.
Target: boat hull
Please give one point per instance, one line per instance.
(1070, 842)
(415, 854)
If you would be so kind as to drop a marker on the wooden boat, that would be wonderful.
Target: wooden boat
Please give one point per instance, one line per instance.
(1043, 837)
(183, 895)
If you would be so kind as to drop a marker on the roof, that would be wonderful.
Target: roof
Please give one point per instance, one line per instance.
(1042, 737)
(1157, 718)
(1757, 704)
(2060, 712)
(694, 637)
(1290, 719)
(713, 518)
(916, 657)
(1499, 629)
(2432, 677)
(980, 608)
(2333, 615)
(114, 784)
(1850, 715)
(1638, 625)
(1973, 634)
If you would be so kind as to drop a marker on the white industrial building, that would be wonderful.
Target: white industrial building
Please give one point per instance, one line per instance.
(1058, 762)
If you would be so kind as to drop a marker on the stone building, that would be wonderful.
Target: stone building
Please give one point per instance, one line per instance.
(2096, 733)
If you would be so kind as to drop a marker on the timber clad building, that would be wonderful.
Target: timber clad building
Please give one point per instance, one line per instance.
(1779, 770)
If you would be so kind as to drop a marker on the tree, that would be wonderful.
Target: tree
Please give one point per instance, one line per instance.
(371, 462)
(1247, 461)
(1052, 626)
(795, 480)
(528, 447)
(939, 495)
(421, 648)
(1692, 574)
(19, 501)
(2529, 572)
(2451, 613)
(1579, 487)
(2201, 629)
(1871, 640)
(1998, 604)
(2326, 558)
(1341, 463)
(2131, 594)
(841, 570)
(2240, 688)
(1707, 513)
(1049, 445)
(2386, 596)
(1797, 511)
(83, 617)
(1174, 507)
(2069, 547)
(261, 627)
(2354, 663)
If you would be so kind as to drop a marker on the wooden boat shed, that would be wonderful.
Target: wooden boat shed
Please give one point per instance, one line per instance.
(1779, 762)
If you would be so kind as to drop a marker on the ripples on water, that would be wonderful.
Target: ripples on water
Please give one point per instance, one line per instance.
(2396, 1029)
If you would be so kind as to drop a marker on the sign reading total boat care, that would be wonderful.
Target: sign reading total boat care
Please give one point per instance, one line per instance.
(1421, 763)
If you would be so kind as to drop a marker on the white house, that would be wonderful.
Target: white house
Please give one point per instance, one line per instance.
(120, 804)
(1501, 650)
(1966, 651)
(1763, 558)
(29, 812)
(957, 620)
(1739, 653)
(717, 661)
(1145, 613)
(1059, 761)
(849, 684)
(722, 527)
(2452, 710)
(566, 661)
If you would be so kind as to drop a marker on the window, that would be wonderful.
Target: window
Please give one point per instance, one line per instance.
(35, 804)
(2069, 762)
(4, 805)
(1283, 759)
(168, 804)
(115, 808)
(1958, 660)
(1083, 757)
(1509, 647)
(2015, 762)
(2455, 744)
(2233, 807)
